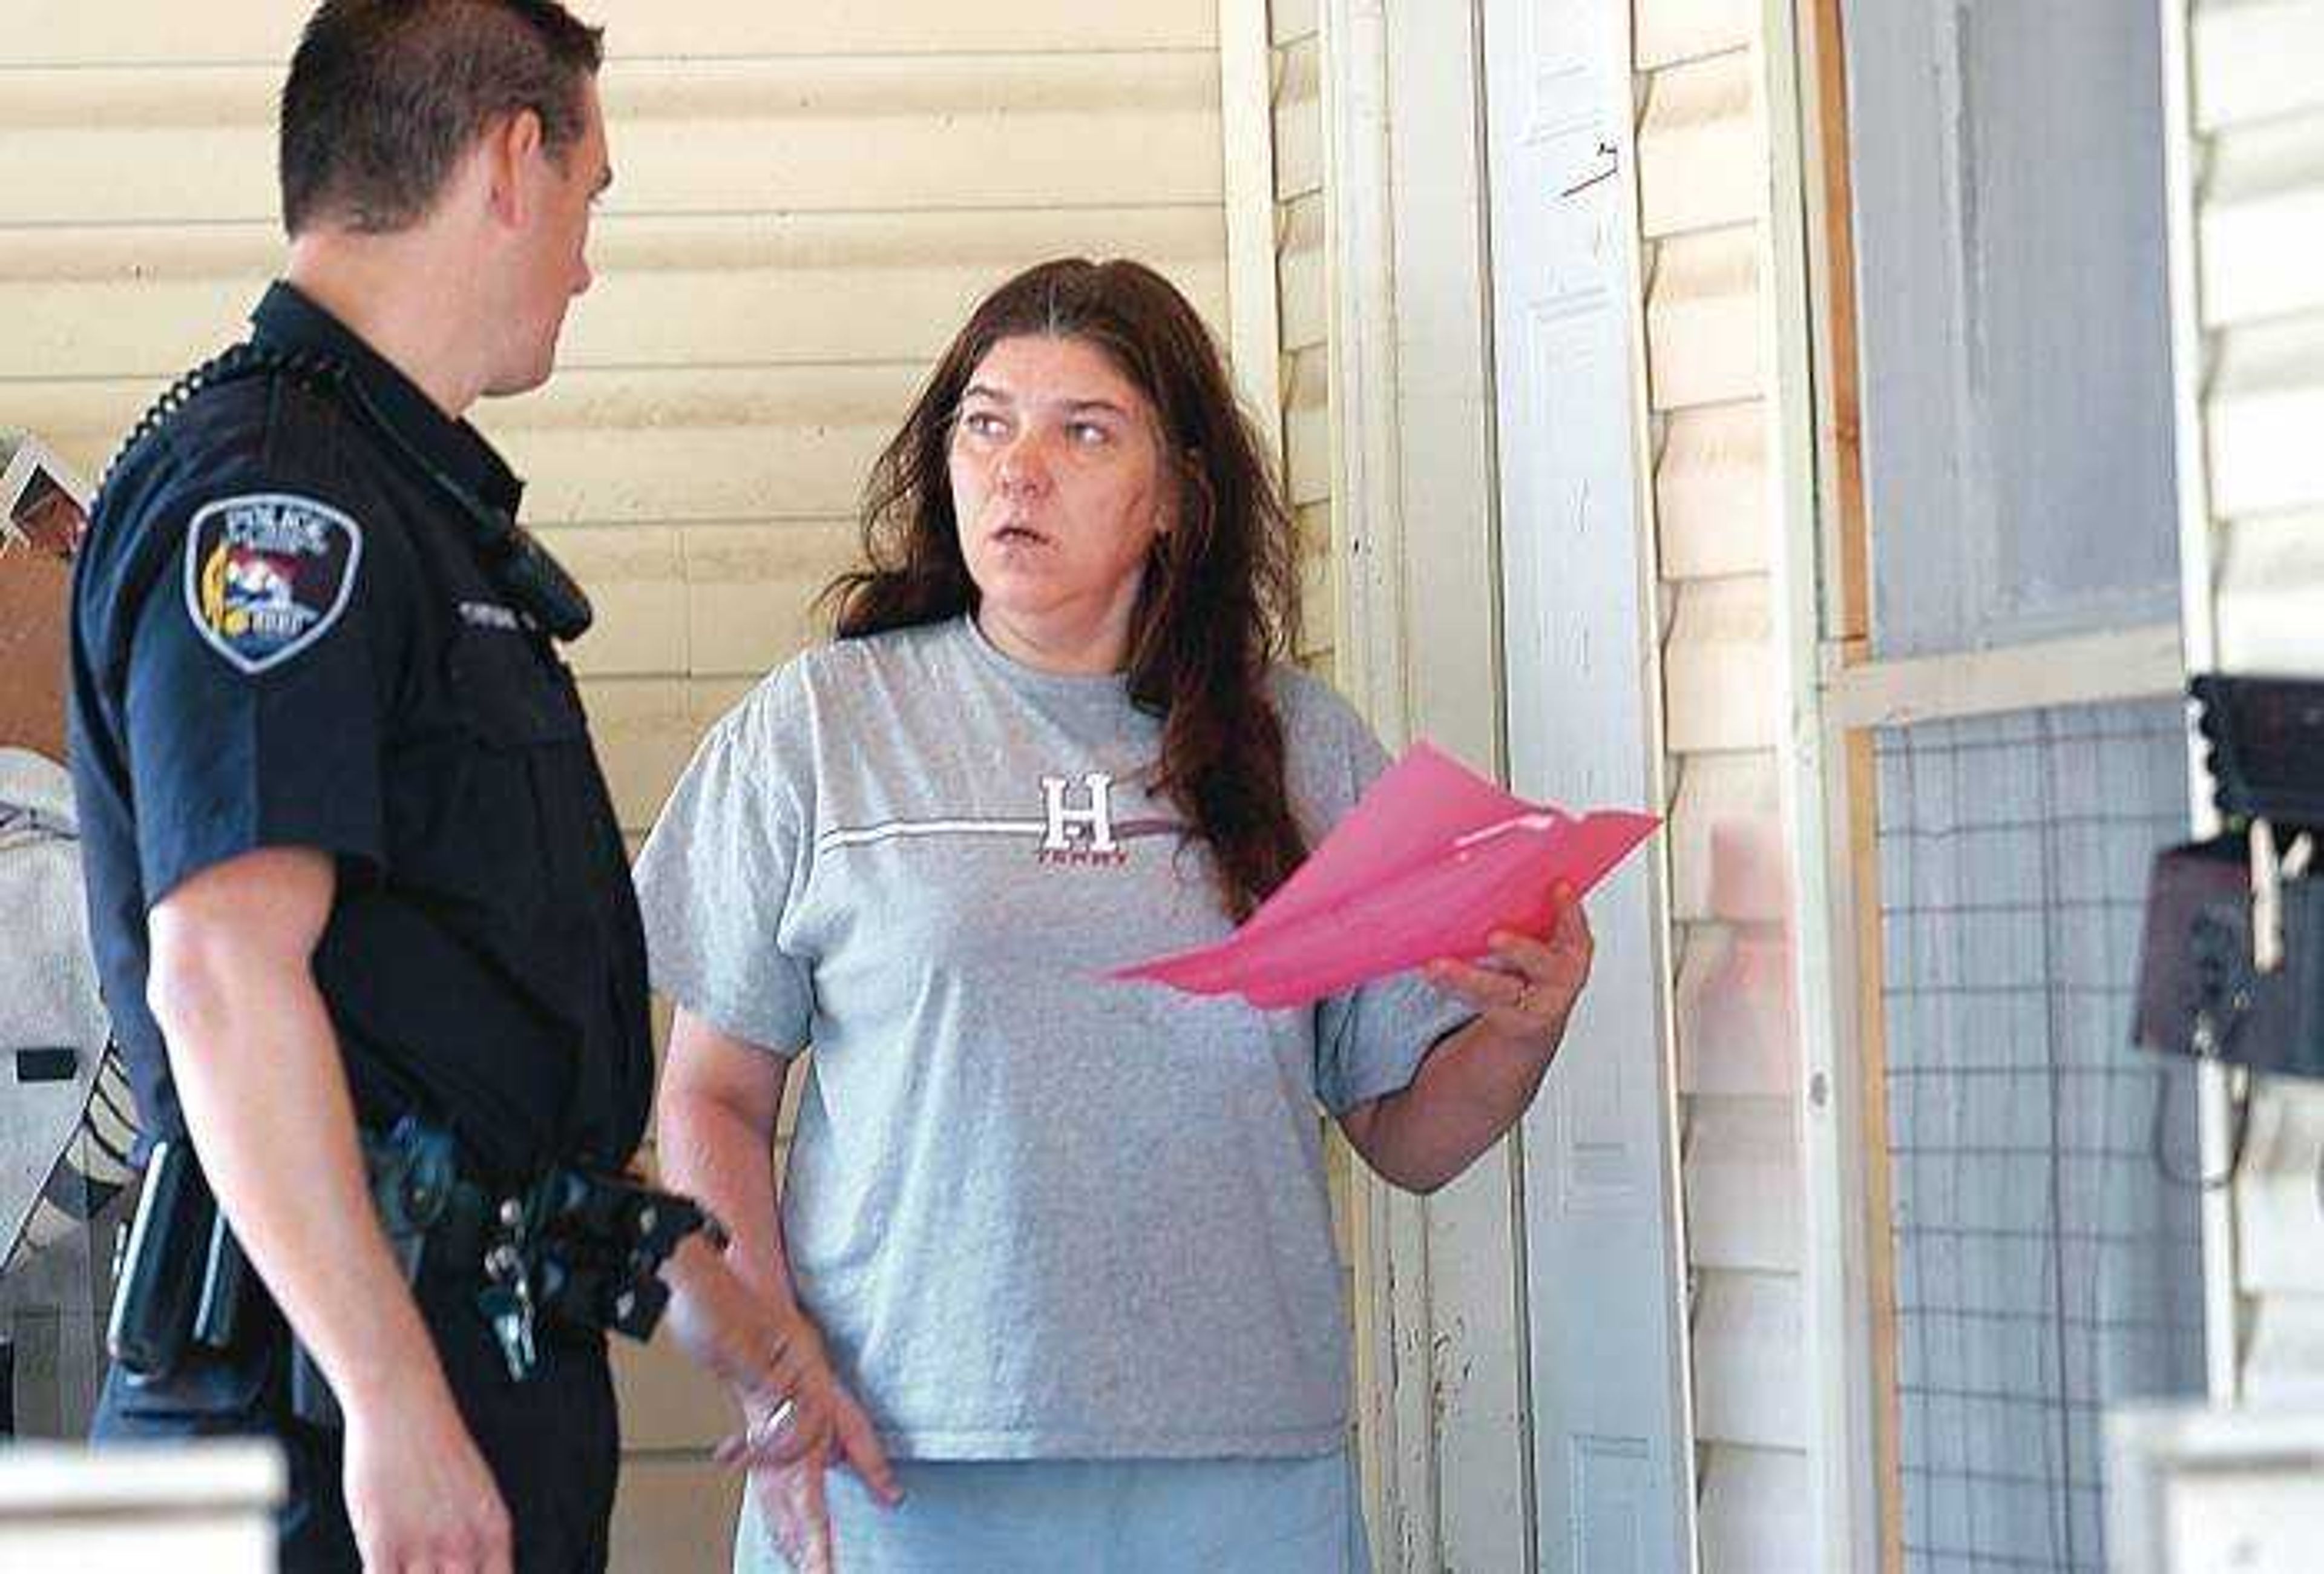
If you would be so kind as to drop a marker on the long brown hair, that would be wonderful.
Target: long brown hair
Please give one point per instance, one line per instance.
(1220, 600)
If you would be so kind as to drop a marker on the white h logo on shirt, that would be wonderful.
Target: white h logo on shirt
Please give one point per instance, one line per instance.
(1065, 824)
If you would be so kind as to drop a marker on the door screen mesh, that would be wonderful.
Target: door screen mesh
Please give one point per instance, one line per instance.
(2044, 1268)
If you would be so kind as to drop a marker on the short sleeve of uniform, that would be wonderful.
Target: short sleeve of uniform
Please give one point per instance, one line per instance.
(724, 864)
(261, 662)
(1369, 1041)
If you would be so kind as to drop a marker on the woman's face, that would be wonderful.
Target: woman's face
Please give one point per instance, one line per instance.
(1059, 490)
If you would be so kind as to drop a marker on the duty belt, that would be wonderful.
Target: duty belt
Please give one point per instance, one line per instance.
(576, 1248)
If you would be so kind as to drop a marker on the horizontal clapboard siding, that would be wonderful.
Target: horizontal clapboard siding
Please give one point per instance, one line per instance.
(1297, 41)
(1704, 192)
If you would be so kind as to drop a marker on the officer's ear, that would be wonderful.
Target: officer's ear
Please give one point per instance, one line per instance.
(513, 144)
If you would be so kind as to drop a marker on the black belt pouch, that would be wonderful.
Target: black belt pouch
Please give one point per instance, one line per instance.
(165, 1367)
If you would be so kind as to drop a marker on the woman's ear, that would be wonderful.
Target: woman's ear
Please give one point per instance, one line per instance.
(1192, 486)
(1171, 509)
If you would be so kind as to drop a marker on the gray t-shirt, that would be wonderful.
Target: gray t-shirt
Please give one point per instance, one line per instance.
(1037, 1214)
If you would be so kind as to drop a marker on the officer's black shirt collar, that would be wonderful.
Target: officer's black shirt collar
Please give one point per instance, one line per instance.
(286, 318)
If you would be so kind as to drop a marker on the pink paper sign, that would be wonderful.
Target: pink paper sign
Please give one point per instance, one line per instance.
(1428, 863)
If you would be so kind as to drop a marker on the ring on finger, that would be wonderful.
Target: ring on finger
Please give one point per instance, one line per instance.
(761, 1432)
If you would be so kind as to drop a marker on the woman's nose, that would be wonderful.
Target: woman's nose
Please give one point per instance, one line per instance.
(1023, 468)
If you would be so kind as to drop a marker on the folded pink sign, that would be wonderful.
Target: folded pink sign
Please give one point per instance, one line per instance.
(1430, 863)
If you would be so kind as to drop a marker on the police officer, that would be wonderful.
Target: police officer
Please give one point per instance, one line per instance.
(350, 857)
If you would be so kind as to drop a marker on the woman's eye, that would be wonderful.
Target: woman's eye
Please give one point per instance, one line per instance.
(981, 423)
(1088, 433)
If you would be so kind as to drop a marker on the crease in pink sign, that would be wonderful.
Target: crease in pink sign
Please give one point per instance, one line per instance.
(1429, 863)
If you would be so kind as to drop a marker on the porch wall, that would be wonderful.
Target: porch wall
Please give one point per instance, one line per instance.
(809, 197)
(1704, 195)
(2255, 320)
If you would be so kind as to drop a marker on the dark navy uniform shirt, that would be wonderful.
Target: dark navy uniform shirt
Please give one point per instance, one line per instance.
(285, 635)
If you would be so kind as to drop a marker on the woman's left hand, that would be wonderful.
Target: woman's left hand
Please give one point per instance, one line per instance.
(1529, 988)
(730, 1331)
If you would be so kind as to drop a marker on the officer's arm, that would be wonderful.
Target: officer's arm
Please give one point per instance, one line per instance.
(257, 1069)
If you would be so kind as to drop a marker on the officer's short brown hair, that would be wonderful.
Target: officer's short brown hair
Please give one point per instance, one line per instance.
(386, 95)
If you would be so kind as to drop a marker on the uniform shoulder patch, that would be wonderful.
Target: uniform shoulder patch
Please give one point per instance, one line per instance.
(267, 574)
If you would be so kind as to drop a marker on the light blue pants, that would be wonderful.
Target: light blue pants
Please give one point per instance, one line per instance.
(1107, 1516)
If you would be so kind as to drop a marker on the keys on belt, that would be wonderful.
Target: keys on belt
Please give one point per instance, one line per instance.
(506, 1298)
(575, 1247)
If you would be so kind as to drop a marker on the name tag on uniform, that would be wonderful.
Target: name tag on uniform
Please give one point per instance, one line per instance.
(491, 614)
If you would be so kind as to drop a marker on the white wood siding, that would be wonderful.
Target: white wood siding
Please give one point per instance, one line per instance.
(1297, 45)
(2255, 99)
(809, 198)
(1704, 161)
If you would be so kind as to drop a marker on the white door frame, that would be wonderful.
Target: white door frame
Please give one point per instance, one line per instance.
(1836, 1279)
(1444, 1386)
(1412, 438)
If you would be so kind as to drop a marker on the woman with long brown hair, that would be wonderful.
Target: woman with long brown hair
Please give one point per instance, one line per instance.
(1059, 1246)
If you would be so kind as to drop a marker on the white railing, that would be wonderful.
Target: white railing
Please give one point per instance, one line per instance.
(191, 1508)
